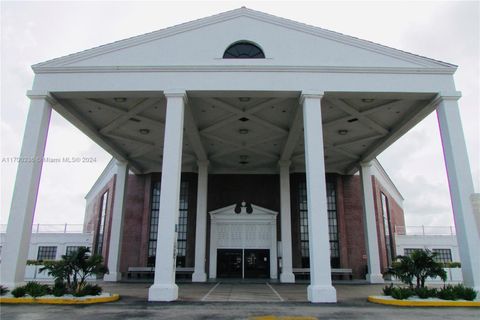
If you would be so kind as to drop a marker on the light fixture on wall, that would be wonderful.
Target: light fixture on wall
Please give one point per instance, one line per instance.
(144, 131)
(342, 132)
(243, 159)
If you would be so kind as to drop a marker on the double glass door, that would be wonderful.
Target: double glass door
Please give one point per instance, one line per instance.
(243, 263)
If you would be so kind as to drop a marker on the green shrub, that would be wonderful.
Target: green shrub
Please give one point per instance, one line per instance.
(418, 266)
(93, 290)
(456, 292)
(425, 292)
(402, 293)
(469, 294)
(88, 290)
(74, 269)
(19, 292)
(59, 288)
(35, 289)
(387, 290)
(452, 264)
(3, 290)
(447, 293)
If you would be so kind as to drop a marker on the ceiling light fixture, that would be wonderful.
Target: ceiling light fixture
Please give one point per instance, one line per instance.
(144, 131)
(243, 131)
(120, 99)
(368, 100)
(342, 132)
(244, 99)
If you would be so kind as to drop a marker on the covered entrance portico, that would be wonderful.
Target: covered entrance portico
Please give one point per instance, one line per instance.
(332, 106)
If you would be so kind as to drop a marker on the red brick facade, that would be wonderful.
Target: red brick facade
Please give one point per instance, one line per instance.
(262, 190)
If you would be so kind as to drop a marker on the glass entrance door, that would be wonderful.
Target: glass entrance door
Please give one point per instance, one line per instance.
(257, 263)
(243, 263)
(229, 263)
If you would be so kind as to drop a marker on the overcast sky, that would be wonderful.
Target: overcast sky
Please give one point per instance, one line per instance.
(37, 31)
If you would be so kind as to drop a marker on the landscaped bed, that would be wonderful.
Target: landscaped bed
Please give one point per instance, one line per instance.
(417, 302)
(70, 287)
(417, 267)
(66, 299)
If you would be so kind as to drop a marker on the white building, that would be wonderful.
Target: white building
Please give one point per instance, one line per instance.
(252, 93)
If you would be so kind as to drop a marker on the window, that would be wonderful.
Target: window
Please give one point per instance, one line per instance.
(243, 50)
(71, 249)
(47, 253)
(101, 224)
(332, 225)
(387, 229)
(409, 251)
(443, 255)
(181, 227)
(304, 247)
(152, 237)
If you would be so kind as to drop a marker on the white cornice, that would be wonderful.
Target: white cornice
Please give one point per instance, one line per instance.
(244, 68)
(244, 12)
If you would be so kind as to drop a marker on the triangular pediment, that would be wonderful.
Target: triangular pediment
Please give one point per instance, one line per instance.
(242, 210)
(201, 43)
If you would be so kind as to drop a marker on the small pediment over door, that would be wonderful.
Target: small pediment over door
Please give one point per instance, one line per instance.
(243, 212)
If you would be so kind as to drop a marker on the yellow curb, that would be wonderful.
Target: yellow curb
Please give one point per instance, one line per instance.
(283, 318)
(423, 303)
(113, 297)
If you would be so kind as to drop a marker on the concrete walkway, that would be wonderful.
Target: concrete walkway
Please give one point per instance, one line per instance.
(245, 292)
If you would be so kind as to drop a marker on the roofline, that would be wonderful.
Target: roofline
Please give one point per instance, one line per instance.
(261, 16)
(108, 168)
(384, 173)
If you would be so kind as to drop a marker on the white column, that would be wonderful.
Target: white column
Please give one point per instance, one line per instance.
(164, 287)
(461, 188)
(115, 247)
(374, 274)
(320, 288)
(286, 275)
(25, 192)
(199, 274)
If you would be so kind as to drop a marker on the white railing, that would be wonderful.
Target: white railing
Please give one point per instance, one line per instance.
(51, 228)
(425, 230)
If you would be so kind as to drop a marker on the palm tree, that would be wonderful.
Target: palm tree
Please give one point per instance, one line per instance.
(419, 265)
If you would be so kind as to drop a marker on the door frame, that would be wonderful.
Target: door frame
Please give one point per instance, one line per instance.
(243, 230)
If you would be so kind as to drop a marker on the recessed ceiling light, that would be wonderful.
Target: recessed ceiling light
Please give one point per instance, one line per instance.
(244, 99)
(144, 131)
(352, 120)
(243, 131)
(342, 132)
(368, 100)
(243, 162)
(120, 99)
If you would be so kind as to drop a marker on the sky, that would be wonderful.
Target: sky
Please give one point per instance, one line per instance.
(33, 32)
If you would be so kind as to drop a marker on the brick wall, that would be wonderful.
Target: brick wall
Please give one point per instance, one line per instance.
(354, 226)
(396, 219)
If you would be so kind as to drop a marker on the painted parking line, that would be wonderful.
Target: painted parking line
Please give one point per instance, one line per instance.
(210, 291)
(270, 317)
(275, 291)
